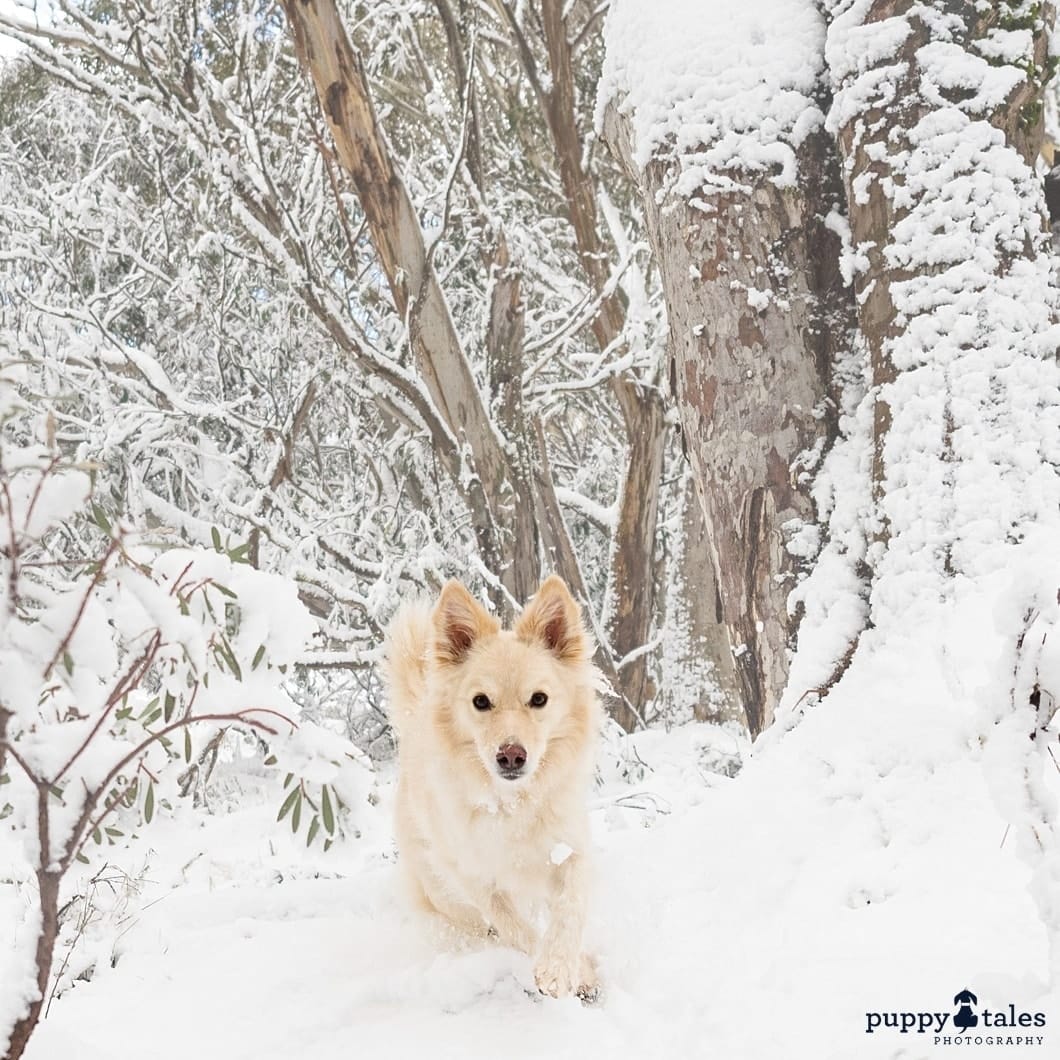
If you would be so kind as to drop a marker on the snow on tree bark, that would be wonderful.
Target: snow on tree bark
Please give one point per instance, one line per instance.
(938, 117)
(752, 288)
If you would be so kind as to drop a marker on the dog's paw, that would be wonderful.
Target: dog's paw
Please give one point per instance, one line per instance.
(588, 990)
(559, 975)
(556, 975)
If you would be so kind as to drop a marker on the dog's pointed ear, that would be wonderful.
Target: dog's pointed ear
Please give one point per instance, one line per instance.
(554, 619)
(459, 621)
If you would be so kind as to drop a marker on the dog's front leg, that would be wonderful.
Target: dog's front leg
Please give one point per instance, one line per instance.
(512, 930)
(562, 968)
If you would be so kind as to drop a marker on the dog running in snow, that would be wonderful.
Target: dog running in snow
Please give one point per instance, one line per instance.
(496, 734)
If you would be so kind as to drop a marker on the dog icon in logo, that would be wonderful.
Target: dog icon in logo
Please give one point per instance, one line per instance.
(965, 1017)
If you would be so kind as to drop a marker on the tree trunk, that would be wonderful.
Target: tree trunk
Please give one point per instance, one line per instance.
(499, 497)
(699, 677)
(48, 879)
(939, 137)
(631, 592)
(629, 607)
(751, 279)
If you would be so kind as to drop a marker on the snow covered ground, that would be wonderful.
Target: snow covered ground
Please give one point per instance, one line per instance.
(878, 853)
(856, 864)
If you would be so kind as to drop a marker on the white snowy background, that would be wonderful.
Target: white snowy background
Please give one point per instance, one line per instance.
(864, 858)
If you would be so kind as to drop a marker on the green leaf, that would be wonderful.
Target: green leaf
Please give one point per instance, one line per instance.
(68, 662)
(114, 832)
(147, 710)
(224, 650)
(149, 804)
(187, 745)
(81, 857)
(215, 535)
(287, 779)
(326, 810)
(296, 817)
(314, 827)
(270, 761)
(100, 518)
(225, 591)
(258, 656)
(168, 705)
(327, 845)
(288, 803)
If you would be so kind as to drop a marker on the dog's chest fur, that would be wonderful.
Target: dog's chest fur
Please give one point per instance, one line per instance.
(487, 842)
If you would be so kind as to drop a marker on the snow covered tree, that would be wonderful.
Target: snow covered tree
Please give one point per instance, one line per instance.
(737, 181)
(938, 116)
(107, 662)
(494, 328)
(465, 327)
(890, 147)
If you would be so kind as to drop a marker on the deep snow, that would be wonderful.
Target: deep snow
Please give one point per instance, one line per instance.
(856, 864)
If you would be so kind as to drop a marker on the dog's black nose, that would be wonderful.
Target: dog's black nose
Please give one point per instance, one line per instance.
(510, 759)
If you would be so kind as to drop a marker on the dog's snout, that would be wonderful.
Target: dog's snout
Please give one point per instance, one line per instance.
(511, 757)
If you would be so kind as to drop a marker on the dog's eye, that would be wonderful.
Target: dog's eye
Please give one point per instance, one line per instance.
(538, 699)
(481, 702)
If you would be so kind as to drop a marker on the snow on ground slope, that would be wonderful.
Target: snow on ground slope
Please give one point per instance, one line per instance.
(856, 864)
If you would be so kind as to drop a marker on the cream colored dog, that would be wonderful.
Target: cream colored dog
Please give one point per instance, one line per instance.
(496, 732)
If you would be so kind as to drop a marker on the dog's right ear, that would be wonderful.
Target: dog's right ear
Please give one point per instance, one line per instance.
(459, 621)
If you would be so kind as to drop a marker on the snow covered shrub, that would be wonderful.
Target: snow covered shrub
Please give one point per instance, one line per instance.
(120, 661)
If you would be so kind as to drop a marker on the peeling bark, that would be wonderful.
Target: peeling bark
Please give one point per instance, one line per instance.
(703, 667)
(499, 498)
(751, 279)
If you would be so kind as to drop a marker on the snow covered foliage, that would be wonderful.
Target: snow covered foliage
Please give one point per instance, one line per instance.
(252, 370)
(121, 661)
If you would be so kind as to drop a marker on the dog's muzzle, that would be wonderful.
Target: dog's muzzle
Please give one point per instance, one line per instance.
(511, 759)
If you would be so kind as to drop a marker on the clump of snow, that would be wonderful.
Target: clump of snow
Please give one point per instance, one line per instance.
(722, 88)
(559, 853)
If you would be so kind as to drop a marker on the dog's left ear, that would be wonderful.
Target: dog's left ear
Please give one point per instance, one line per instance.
(554, 619)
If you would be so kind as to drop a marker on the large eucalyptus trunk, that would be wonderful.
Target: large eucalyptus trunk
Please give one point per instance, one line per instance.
(751, 282)
(939, 133)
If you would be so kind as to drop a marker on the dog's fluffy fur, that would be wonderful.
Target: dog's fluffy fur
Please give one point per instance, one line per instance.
(490, 854)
